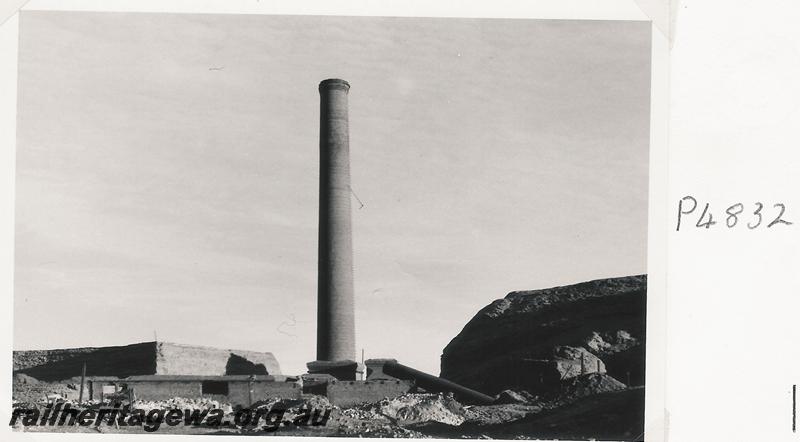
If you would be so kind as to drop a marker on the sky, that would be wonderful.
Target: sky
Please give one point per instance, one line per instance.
(167, 174)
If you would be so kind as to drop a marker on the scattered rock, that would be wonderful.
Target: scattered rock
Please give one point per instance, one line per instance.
(482, 415)
(575, 361)
(514, 397)
(181, 403)
(588, 385)
(23, 378)
(610, 343)
(412, 408)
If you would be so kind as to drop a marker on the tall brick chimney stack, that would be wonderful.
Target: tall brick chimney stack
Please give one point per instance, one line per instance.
(335, 306)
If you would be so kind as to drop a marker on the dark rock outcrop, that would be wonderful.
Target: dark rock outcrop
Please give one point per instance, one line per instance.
(534, 340)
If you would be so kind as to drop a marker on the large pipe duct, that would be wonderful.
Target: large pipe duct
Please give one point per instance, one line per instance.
(378, 369)
(335, 307)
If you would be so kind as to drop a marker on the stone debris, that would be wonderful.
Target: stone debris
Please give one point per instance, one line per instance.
(411, 415)
(380, 430)
(588, 385)
(180, 403)
(397, 417)
(515, 397)
(413, 408)
(31, 390)
(22, 378)
(497, 414)
(575, 361)
(610, 343)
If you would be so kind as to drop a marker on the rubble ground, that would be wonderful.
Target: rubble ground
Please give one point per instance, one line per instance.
(412, 415)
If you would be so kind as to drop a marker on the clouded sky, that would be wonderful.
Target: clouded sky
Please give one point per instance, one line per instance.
(167, 173)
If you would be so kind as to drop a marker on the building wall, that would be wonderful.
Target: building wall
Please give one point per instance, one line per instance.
(159, 391)
(349, 393)
(175, 359)
(238, 391)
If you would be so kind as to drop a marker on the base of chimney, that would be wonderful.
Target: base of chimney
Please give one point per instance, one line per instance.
(344, 370)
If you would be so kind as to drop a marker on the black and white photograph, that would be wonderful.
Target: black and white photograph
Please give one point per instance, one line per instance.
(331, 225)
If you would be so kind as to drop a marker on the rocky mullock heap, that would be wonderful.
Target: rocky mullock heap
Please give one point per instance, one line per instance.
(536, 340)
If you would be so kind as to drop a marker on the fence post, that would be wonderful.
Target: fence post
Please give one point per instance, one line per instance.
(83, 381)
(250, 389)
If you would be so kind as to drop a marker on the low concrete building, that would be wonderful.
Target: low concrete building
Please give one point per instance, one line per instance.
(236, 389)
(350, 393)
(145, 358)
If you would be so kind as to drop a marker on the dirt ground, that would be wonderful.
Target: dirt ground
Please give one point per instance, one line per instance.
(589, 407)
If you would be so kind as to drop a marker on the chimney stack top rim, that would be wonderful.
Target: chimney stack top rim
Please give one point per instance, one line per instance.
(334, 83)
